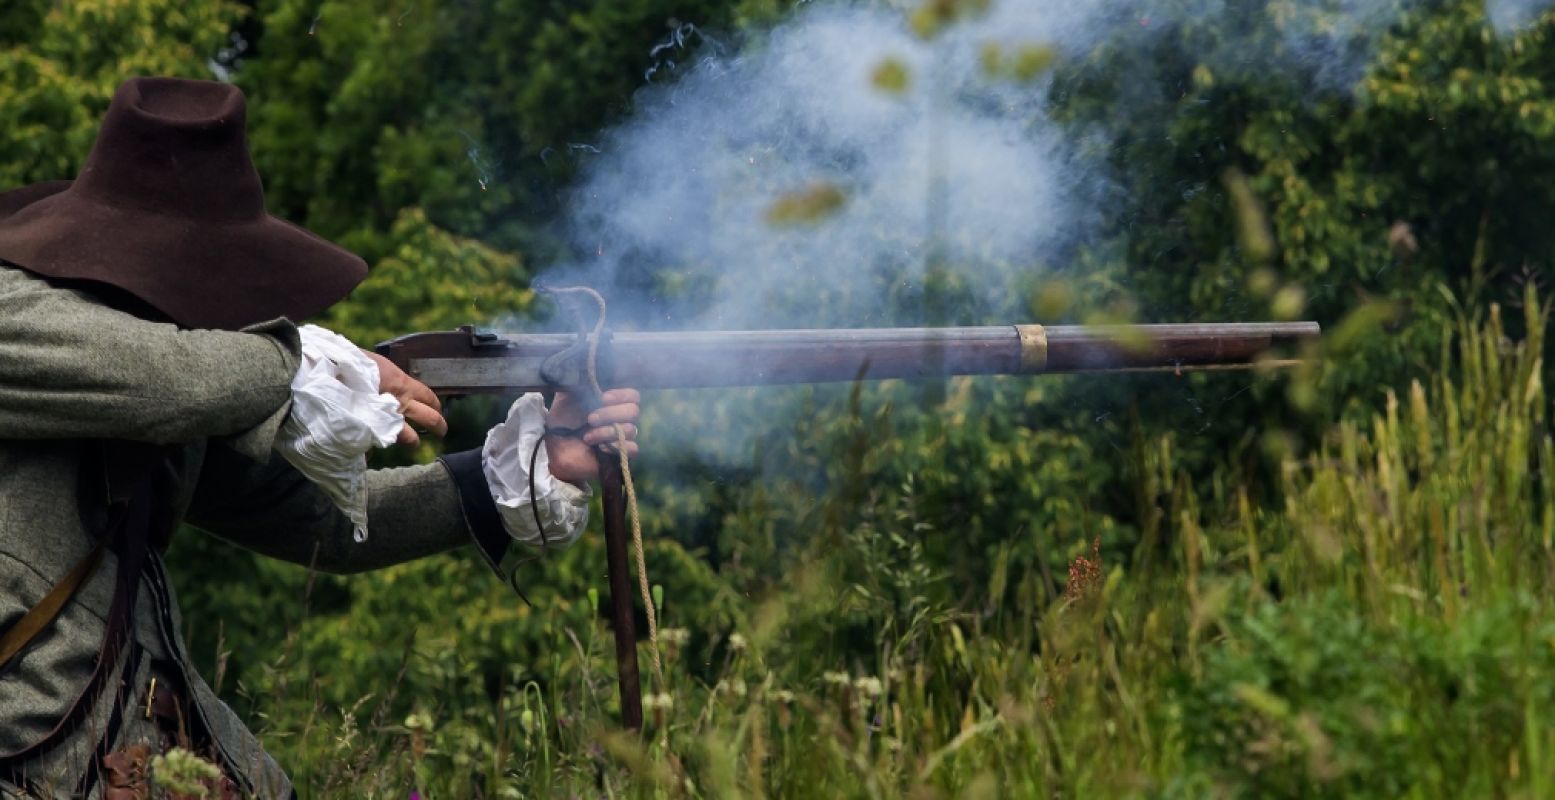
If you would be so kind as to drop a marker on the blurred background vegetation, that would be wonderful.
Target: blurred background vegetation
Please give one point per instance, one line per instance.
(1329, 583)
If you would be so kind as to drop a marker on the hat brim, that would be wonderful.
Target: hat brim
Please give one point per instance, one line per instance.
(201, 275)
(15, 200)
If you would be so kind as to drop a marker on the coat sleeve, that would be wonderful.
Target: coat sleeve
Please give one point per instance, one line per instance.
(73, 368)
(412, 512)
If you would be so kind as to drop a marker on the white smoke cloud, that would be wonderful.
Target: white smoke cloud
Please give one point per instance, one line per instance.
(1510, 15)
(961, 167)
(688, 183)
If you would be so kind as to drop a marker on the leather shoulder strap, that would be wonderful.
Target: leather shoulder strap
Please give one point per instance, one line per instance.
(41, 616)
(136, 510)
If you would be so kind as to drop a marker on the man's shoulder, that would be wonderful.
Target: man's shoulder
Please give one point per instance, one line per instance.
(16, 279)
(24, 292)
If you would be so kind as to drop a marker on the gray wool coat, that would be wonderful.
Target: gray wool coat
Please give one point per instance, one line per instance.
(73, 370)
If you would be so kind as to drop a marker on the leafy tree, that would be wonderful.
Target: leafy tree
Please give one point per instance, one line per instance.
(60, 63)
(465, 110)
(1436, 165)
(431, 280)
(1253, 181)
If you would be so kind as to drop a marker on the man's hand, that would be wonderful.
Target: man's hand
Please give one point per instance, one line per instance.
(573, 458)
(417, 402)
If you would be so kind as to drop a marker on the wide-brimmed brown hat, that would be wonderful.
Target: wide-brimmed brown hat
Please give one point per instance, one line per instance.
(170, 209)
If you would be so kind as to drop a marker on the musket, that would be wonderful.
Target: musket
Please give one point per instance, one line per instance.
(469, 361)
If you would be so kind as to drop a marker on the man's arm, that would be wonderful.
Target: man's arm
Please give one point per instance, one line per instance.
(270, 508)
(72, 368)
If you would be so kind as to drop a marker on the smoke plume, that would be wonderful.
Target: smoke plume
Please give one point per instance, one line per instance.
(1509, 15)
(825, 172)
(817, 174)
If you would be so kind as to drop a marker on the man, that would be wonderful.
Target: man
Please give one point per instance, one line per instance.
(150, 375)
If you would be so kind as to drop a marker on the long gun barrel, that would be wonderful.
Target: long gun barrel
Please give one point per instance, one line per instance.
(468, 361)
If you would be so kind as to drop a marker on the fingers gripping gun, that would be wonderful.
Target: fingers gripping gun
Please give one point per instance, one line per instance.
(468, 361)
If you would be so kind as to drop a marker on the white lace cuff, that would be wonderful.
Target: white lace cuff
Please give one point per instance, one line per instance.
(564, 508)
(337, 415)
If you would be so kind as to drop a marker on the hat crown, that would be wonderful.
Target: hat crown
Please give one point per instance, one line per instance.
(170, 210)
(175, 146)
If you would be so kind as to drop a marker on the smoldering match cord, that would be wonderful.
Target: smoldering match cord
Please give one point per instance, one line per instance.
(626, 479)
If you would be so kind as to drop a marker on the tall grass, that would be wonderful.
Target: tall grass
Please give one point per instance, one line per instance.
(1380, 631)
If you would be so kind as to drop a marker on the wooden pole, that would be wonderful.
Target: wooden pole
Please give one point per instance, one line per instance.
(612, 495)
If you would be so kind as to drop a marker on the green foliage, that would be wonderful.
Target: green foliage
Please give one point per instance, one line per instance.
(1287, 709)
(60, 63)
(464, 110)
(182, 773)
(1402, 660)
(1300, 586)
(431, 280)
(1436, 164)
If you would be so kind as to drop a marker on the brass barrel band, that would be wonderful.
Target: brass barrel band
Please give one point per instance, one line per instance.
(1033, 348)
